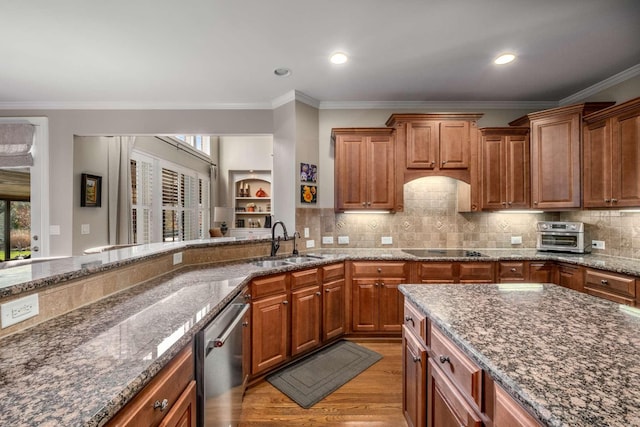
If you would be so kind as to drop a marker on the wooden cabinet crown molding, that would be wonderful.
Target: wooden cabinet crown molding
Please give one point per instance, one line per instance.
(584, 108)
(361, 131)
(395, 119)
(630, 106)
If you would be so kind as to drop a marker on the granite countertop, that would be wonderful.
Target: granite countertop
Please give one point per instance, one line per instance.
(570, 358)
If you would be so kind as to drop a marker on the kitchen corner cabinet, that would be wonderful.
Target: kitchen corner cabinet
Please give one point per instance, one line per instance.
(571, 277)
(611, 157)
(364, 168)
(377, 304)
(504, 168)
(556, 137)
(168, 400)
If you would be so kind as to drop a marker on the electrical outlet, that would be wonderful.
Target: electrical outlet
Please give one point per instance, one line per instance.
(306, 232)
(597, 244)
(387, 240)
(177, 258)
(18, 310)
(85, 229)
(516, 240)
(311, 243)
(327, 240)
(343, 240)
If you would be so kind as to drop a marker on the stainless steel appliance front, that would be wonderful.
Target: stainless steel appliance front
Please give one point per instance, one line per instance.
(219, 349)
(562, 236)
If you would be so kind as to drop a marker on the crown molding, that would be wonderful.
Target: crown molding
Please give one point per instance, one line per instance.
(295, 95)
(447, 105)
(132, 106)
(600, 86)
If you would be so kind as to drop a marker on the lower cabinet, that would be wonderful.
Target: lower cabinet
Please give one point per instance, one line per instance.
(456, 272)
(446, 405)
(333, 302)
(542, 272)
(571, 276)
(306, 303)
(508, 413)
(615, 287)
(414, 367)
(168, 400)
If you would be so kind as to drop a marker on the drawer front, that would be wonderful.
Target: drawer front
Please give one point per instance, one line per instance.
(466, 374)
(303, 278)
(477, 272)
(415, 321)
(511, 271)
(610, 282)
(373, 269)
(448, 406)
(331, 272)
(268, 285)
(437, 272)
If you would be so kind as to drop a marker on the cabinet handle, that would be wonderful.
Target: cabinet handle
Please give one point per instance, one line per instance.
(614, 200)
(513, 270)
(444, 359)
(433, 162)
(364, 203)
(318, 293)
(381, 283)
(285, 302)
(409, 319)
(245, 324)
(535, 202)
(247, 297)
(161, 405)
(416, 359)
(327, 290)
(604, 282)
(375, 284)
(607, 200)
(368, 203)
(504, 203)
(510, 203)
(444, 162)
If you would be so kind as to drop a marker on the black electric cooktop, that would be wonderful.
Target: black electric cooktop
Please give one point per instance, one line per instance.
(443, 253)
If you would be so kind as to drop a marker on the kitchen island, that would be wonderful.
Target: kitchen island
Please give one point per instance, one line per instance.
(569, 359)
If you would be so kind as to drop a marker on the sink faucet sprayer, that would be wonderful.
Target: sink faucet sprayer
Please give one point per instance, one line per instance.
(295, 248)
(275, 244)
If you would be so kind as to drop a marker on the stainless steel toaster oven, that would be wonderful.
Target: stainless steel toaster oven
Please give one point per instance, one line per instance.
(562, 236)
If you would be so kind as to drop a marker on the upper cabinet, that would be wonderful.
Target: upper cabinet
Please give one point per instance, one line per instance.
(611, 162)
(364, 168)
(555, 155)
(504, 168)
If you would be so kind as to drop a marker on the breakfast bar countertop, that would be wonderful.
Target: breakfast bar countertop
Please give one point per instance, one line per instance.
(569, 358)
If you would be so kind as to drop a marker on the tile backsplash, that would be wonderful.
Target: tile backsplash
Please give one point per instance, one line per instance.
(431, 220)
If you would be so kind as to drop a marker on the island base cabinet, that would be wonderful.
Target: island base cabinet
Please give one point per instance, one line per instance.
(414, 380)
(446, 406)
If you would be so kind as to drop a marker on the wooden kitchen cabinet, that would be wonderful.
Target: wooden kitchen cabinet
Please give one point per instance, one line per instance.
(615, 287)
(556, 137)
(364, 168)
(509, 413)
(571, 276)
(542, 272)
(168, 400)
(504, 175)
(512, 271)
(456, 272)
(611, 157)
(333, 302)
(414, 380)
(377, 305)
(269, 322)
(306, 315)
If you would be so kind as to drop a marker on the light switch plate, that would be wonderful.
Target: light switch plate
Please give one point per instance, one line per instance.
(311, 243)
(177, 258)
(85, 229)
(343, 240)
(327, 240)
(387, 240)
(306, 232)
(516, 240)
(18, 310)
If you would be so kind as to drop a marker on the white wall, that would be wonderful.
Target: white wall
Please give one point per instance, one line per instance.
(284, 156)
(307, 145)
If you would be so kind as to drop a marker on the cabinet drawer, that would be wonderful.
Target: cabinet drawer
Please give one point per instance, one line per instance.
(374, 269)
(511, 271)
(477, 272)
(415, 321)
(447, 405)
(437, 272)
(300, 279)
(610, 282)
(466, 374)
(330, 272)
(168, 384)
(268, 285)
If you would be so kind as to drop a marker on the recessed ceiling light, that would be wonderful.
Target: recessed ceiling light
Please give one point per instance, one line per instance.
(282, 72)
(339, 58)
(505, 58)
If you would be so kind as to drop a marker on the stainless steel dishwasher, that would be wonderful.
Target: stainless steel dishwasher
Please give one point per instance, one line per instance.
(219, 349)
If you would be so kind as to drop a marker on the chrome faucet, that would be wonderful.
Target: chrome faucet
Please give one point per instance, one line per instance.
(275, 244)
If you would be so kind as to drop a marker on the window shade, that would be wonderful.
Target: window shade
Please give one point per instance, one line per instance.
(16, 140)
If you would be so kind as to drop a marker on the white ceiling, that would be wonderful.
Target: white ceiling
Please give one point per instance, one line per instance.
(222, 53)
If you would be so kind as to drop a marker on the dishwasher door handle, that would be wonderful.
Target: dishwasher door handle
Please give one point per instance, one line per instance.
(219, 342)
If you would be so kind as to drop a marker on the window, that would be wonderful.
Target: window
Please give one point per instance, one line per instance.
(199, 142)
(15, 229)
(177, 200)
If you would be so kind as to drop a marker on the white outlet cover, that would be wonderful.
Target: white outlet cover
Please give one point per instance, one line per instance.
(177, 258)
(343, 240)
(85, 229)
(516, 240)
(311, 243)
(19, 310)
(327, 240)
(387, 240)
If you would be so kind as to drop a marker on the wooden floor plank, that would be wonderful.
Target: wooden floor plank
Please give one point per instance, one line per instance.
(372, 399)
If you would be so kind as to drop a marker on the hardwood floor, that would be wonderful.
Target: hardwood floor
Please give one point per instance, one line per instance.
(372, 399)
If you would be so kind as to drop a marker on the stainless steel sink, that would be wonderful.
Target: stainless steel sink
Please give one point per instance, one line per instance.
(294, 260)
(301, 259)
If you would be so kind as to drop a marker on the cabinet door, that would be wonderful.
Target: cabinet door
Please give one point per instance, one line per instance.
(437, 272)
(454, 144)
(305, 319)
(184, 413)
(422, 145)
(390, 305)
(555, 162)
(333, 324)
(596, 166)
(509, 413)
(626, 158)
(350, 172)
(571, 277)
(414, 380)
(511, 271)
(380, 173)
(542, 272)
(364, 310)
(446, 406)
(518, 191)
(476, 272)
(493, 172)
(269, 332)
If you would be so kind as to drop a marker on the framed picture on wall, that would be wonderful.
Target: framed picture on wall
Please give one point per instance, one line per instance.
(90, 191)
(308, 194)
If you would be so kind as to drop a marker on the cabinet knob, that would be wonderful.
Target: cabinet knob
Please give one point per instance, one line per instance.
(285, 302)
(607, 200)
(614, 200)
(381, 283)
(368, 203)
(375, 284)
(364, 203)
(510, 203)
(535, 202)
(247, 297)
(416, 359)
(504, 203)
(379, 270)
(604, 282)
(513, 270)
(161, 405)
(327, 290)
(433, 162)
(444, 162)
(318, 293)
(245, 324)
(444, 359)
